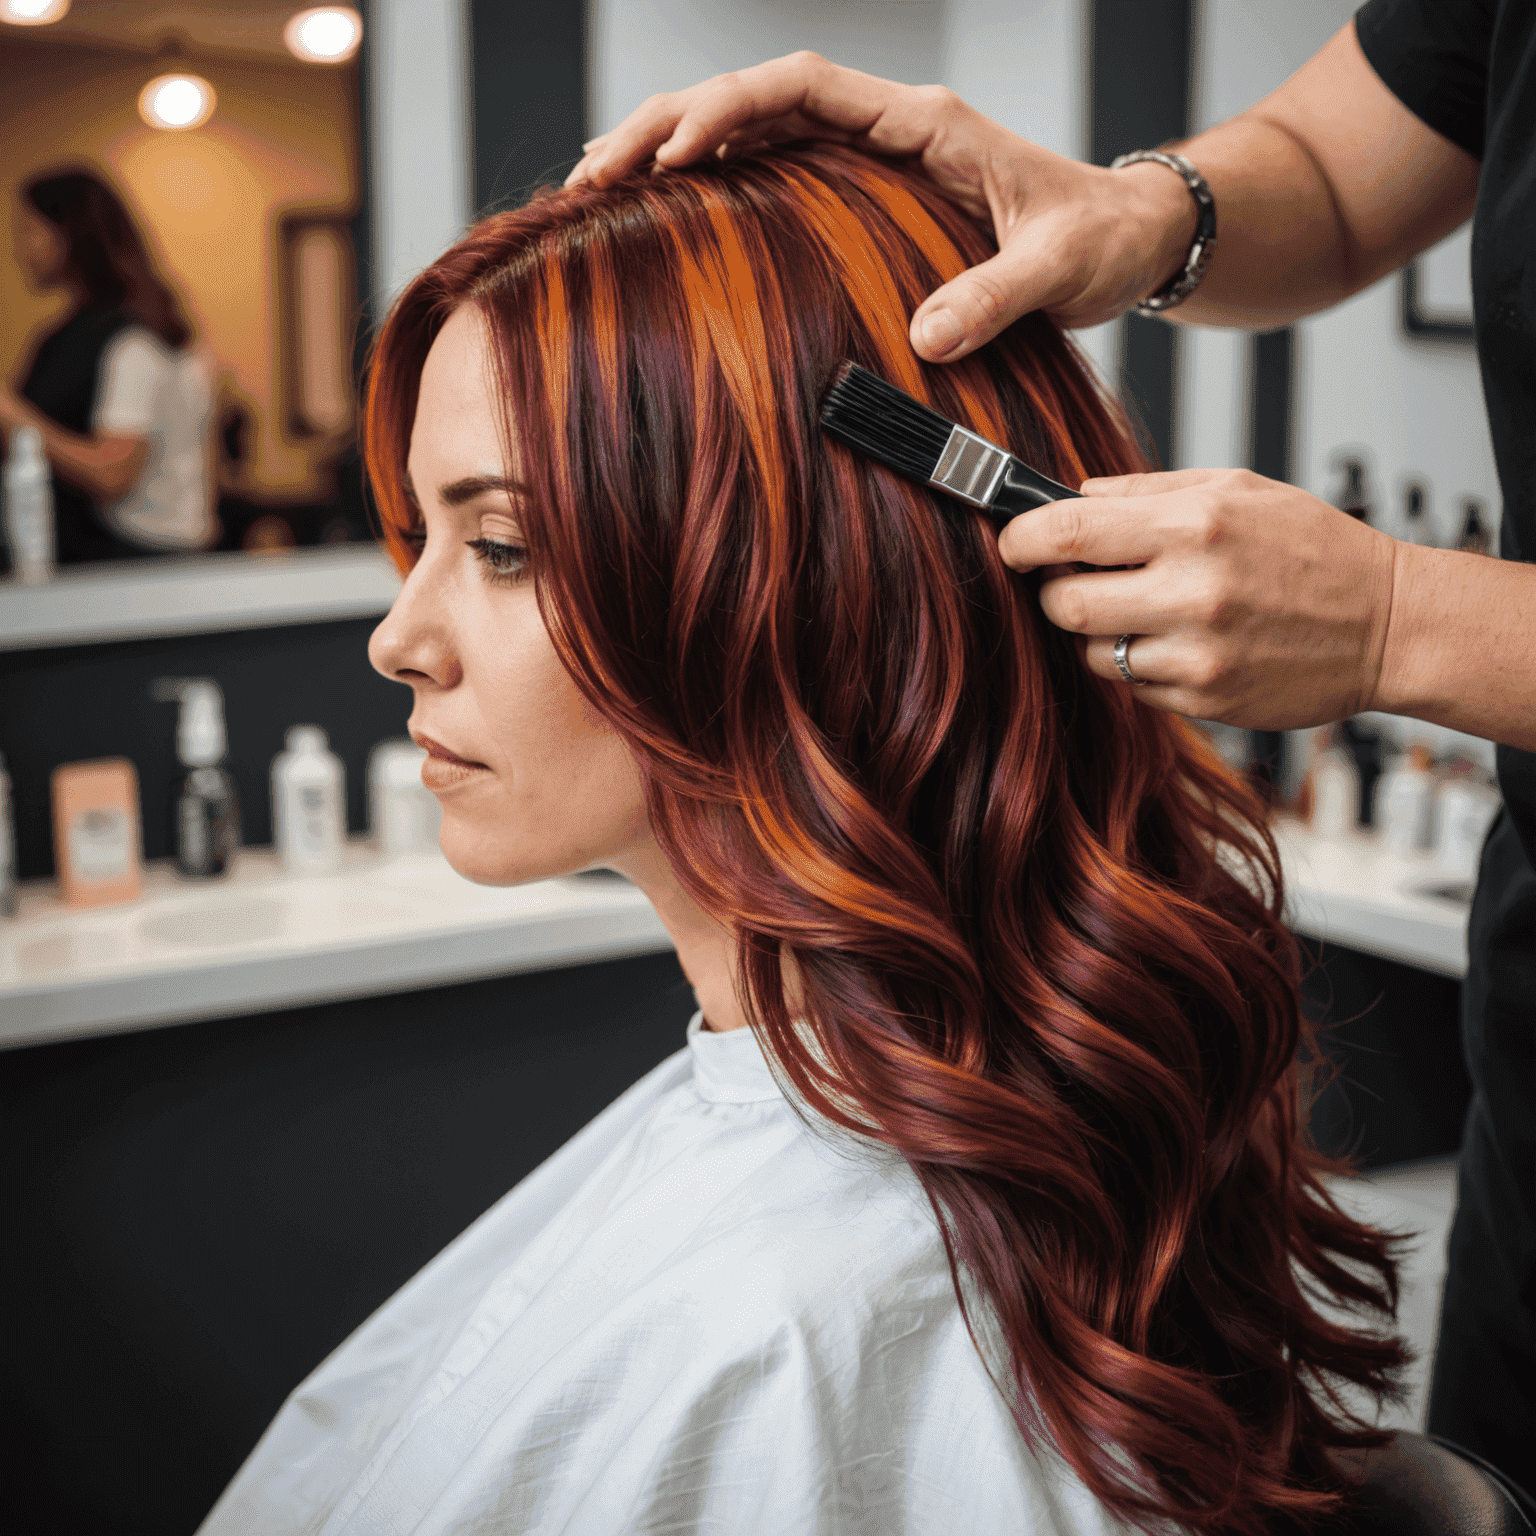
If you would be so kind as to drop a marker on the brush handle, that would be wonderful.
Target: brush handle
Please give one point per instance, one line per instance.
(1022, 489)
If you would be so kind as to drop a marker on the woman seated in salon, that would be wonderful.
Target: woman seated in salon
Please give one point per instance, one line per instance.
(121, 396)
(978, 1198)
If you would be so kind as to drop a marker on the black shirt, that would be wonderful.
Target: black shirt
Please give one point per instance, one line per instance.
(62, 382)
(1467, 68)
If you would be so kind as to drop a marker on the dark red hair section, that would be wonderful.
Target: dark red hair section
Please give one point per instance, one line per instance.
(1031, 929)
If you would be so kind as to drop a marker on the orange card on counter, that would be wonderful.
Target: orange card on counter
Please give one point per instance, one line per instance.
(97, 844)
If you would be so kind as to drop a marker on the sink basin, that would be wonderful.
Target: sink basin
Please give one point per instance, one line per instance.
(206, 924)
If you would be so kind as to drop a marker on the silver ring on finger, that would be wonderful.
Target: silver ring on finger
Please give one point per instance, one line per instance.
(1123, 662)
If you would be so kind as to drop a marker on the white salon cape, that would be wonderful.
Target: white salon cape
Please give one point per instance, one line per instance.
(700, 1315)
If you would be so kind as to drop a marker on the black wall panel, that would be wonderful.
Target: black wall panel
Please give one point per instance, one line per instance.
(1139, 89)
(529, 113)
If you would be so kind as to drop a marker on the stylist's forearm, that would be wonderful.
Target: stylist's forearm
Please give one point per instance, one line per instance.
(1323, 187)
(1458, 650)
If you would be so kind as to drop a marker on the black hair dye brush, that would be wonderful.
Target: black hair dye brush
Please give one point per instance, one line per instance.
(874, 418)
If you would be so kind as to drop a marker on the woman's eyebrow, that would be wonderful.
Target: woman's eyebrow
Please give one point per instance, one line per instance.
(457, 492)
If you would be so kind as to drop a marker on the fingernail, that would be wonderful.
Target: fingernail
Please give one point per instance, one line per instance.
(940, 331)
(593, 143)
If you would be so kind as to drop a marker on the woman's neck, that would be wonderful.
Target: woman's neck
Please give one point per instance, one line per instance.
(705, 949)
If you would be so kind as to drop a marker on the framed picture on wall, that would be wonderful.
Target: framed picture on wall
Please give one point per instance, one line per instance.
(318, 286)
(1437, 291)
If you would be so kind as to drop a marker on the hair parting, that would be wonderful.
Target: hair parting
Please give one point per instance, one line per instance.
(1034, 928)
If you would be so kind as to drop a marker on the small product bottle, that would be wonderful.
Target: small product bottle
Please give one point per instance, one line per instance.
(1476, 536)
(7, 846)
(29, 508)
(1404, 803)
(403, 814)
(1466, 811)
(97, 841)
(1418, 526)
(1353, 495)
(205, 812)
(309, 811)
(1334, 791)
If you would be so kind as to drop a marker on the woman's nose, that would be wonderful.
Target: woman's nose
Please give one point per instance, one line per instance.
(413, 644)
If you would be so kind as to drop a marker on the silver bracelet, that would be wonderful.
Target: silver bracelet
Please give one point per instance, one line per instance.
(1204, 244)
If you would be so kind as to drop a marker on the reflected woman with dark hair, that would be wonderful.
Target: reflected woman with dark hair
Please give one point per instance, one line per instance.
(979, 1198)
(122, 400)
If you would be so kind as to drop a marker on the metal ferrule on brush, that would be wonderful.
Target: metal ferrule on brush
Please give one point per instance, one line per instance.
(970, 468)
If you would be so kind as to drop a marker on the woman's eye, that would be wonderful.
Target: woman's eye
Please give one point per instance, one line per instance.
(506, 562)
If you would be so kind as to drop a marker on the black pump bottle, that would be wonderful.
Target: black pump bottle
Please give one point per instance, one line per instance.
(205, 815)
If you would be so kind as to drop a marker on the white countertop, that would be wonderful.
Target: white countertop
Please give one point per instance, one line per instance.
(1353, 891)
(262, 940)
(197, 594)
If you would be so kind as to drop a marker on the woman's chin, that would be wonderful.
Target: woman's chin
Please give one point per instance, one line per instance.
(484, 864)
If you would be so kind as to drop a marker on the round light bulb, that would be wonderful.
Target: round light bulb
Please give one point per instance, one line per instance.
(328, 34)
(176, 101)
(32, 13)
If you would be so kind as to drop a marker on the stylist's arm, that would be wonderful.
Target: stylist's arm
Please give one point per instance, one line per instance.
(1251, 602)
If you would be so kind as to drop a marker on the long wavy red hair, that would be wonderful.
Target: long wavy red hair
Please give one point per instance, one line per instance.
(1034, 928)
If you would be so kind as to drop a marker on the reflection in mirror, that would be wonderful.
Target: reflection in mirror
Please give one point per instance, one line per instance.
(179, 319)
(317, 339)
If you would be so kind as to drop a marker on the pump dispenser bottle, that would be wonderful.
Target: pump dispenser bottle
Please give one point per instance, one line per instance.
(205, 813)
(309, 808)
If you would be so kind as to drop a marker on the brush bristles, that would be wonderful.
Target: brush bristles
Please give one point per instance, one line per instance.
(875, 418)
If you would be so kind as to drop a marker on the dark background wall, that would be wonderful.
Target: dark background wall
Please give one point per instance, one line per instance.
(1139, 90)
(529, 88)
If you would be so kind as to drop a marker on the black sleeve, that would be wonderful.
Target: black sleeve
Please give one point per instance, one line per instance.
(1433, 56)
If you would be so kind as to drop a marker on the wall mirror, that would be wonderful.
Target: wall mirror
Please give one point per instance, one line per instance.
(250, 199)
(1437, 291)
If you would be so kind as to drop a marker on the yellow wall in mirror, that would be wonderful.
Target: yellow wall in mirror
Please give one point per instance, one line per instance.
(284, 139)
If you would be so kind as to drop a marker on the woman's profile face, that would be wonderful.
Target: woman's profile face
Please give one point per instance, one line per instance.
(41, 250)
(549, 787)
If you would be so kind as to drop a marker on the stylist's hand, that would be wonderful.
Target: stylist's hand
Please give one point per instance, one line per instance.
(1251, 602)
(1077, 241)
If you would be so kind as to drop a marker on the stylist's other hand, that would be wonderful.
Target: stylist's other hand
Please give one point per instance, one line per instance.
(1251, 602)
(1078, 241)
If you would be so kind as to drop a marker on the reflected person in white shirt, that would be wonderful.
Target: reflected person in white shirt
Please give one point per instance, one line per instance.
(977, 1197)
(119, 388)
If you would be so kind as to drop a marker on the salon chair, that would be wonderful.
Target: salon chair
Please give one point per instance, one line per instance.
(1417, 1485)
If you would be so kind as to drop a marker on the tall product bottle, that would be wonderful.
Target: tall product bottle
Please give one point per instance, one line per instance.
(97, 836)
(205, 812)
(29, 508)
(7, 846)
(1404, 802)
(309, 806)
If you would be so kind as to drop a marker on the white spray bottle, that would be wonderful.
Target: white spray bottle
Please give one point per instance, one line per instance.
(309, 806)
(29, 508)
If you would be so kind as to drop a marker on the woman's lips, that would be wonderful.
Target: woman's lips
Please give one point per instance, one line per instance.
(442, 768)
